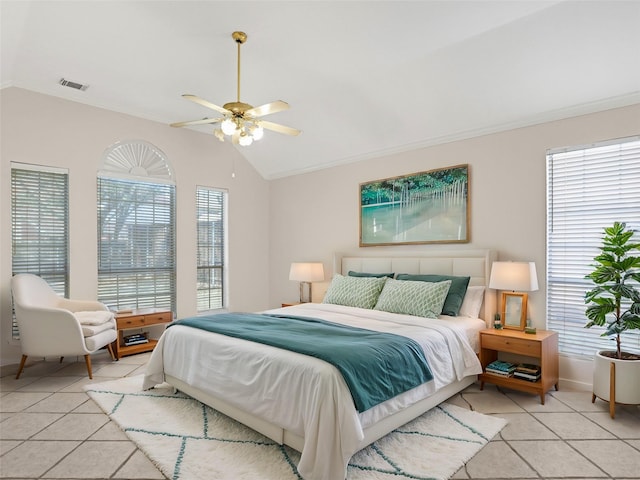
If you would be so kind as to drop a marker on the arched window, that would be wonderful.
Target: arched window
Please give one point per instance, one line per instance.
(136, 227)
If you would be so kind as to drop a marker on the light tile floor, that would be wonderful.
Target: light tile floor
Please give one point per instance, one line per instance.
(50, 429)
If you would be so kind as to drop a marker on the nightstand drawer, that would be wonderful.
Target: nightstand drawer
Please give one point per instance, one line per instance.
(512, 345)
(158, 318)
(131, 322)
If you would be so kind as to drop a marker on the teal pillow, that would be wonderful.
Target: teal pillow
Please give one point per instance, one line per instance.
(456, 293)
(364, 274)
(361, 292)
(422, 299)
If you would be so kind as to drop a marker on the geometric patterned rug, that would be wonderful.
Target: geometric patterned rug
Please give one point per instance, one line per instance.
(187, 440)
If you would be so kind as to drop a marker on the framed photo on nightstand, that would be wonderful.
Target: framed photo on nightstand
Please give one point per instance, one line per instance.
(514, 310)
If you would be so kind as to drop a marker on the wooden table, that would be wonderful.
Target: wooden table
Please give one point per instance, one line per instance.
(541, 346)
(138, 319)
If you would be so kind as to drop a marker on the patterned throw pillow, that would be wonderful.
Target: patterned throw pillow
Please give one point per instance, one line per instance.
(422, 299)
(359, 292)
(456, 292)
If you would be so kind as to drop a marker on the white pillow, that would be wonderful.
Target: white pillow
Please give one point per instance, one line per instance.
(472, 302)
(422, 299)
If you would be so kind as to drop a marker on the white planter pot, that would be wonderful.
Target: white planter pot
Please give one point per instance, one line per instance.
(627, 379)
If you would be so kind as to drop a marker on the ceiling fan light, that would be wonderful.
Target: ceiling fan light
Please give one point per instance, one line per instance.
(219, 135)
(257, 132)
(245, 140)
(228, 126)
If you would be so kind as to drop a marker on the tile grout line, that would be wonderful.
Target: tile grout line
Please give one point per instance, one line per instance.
(508, 442)
(462, 396)
(566, 442)
(63, 415)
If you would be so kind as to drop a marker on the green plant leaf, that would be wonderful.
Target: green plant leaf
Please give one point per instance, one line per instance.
(615, 300)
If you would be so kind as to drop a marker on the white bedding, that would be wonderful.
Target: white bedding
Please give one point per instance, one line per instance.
(306, 395)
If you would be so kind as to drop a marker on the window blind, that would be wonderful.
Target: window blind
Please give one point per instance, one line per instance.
(211, 231)
(588, 189)
(136, 244)
(40, 226)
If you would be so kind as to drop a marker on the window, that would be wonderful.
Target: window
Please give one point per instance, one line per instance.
(136, 244)
(136, 228)
(588, 189)
(39, 225)
(211, 231)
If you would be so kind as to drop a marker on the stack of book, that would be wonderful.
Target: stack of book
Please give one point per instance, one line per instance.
(527, 371)
(136, 339)
(498, 367)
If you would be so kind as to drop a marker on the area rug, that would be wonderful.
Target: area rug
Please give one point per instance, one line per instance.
(187, 440)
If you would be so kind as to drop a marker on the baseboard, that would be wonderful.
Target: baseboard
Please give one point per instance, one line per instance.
(569, 384)
(10, 369)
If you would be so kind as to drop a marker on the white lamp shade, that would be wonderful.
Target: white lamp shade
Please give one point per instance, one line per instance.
(516, 276)
(245, 140)
(257, 133)
(307, 272)
(228, 126)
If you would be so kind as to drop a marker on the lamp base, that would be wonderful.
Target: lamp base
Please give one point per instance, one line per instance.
(309, 297)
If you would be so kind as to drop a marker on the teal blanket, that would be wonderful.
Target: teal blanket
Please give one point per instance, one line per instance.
(376, 366)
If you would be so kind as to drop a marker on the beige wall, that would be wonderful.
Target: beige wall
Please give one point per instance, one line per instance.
(316, 214)
(45, 130)
(299, 218)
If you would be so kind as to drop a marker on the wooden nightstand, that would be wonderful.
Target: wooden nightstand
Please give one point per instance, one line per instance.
(543, 346)
(290, 304)
(138, 318)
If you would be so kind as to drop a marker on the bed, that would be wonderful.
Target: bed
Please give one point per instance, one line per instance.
(304, 402)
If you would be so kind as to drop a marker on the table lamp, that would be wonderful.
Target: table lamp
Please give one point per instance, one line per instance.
(306, 273)
(518, 277)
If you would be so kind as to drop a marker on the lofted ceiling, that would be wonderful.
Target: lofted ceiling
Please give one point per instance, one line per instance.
(363, 79)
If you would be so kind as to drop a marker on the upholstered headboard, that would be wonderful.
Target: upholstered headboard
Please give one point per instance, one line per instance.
(473, 263)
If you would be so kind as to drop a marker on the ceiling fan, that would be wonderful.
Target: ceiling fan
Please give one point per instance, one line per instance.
(241, 121)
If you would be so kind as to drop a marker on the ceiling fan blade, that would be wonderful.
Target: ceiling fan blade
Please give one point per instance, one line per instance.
(196, 122)
(279, 128)
(207, 104)
(267, 109)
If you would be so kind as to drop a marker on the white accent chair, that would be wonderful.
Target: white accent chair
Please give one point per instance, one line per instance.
(51, 325)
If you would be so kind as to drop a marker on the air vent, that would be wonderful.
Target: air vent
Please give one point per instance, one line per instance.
(70, 84)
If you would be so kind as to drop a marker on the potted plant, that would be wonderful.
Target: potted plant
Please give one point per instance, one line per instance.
(614, 303)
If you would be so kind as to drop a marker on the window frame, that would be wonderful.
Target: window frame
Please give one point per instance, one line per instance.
(52, 262)
(585, 195)
(215, 205)
(143, 239)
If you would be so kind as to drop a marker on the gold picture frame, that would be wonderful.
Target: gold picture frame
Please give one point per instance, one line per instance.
(419, 208)
(514, 310)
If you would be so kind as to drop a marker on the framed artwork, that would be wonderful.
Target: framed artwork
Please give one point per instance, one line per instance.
(424, 207)
(514, 310)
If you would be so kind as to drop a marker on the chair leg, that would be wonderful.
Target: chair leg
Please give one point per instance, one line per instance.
(61, 358)
(24, 359)
(87, 359)
(110, 348)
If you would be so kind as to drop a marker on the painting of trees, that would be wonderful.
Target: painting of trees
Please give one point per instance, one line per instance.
(424, 207)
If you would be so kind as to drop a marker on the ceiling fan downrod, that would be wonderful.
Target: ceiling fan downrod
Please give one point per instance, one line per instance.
(240, 38)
